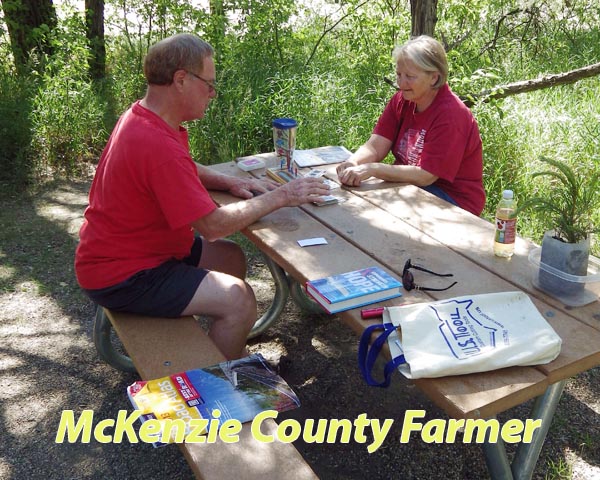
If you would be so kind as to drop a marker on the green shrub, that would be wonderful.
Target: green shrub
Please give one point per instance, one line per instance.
(17, 165)
(326, 68)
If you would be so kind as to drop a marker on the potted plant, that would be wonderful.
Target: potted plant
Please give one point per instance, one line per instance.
(570, 205)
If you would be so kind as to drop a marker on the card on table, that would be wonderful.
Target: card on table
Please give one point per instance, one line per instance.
(310, 242)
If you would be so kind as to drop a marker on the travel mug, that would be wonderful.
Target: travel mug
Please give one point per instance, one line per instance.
(284, 138)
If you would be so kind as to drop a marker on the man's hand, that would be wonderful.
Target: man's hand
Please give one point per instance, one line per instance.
(353, 175)
(304, 190)
(250, 187)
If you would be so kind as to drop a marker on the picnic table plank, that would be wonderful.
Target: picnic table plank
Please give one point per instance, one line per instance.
(482, 395)
(277, 233)
(158, 351)
(468, 235)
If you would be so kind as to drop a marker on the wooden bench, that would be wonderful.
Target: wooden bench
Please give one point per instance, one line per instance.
(162, 346)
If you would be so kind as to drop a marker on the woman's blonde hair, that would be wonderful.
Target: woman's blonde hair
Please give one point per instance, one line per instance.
(183, 51)
(426, 53)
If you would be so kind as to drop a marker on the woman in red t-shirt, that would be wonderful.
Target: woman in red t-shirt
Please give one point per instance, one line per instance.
(431, 133)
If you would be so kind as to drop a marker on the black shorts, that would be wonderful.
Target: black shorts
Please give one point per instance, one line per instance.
(163, 291)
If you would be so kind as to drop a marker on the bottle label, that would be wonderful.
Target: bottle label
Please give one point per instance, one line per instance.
(506, 230)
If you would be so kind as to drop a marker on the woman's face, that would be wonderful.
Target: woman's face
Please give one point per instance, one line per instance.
(416, 84)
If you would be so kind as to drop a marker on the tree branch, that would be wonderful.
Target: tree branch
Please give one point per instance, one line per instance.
(329, 29)
(492, 43)
(503, 91)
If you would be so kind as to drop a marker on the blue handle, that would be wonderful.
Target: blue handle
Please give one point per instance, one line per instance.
(367, 357)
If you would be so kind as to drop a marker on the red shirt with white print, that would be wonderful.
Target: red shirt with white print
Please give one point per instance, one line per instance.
(444, 140)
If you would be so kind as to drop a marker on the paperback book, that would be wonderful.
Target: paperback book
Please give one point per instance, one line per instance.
(354, 289)
(238, 389)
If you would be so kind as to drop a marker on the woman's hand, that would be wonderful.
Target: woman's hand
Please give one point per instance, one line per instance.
(353, 175)
(343, 166)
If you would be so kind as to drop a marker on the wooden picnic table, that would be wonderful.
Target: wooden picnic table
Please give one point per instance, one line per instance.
(382, 223)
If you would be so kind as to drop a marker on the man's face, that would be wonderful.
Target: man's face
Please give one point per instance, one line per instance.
(201, 88)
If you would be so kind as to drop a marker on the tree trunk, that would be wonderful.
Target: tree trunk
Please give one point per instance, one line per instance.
(94, 30)
(423, 15)
(523, 86)
(29, 23)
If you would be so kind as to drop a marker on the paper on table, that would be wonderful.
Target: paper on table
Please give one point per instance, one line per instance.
(309, 242)
(321, 156)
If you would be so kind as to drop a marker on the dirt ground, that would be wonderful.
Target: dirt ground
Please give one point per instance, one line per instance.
(48, 364)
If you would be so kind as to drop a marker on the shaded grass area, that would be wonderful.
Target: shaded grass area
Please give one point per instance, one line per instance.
(47, 360)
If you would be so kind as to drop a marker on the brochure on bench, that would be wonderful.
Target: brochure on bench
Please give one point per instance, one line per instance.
(238, 389)
(354, 289)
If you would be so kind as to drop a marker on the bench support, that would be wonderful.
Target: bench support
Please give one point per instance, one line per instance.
(279, 300)
(304, 302)
(103, 340)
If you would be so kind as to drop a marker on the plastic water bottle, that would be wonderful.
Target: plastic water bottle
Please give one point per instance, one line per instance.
(506, 225)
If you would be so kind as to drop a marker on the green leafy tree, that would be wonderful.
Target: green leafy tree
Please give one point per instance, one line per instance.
(30, 24)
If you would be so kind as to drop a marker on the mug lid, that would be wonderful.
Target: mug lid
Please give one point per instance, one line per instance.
(284, 123)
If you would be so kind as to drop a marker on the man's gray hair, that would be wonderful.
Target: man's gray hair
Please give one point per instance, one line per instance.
(183, 51)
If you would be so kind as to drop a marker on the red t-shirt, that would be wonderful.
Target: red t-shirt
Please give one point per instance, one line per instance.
(443, 140)
(144, 197)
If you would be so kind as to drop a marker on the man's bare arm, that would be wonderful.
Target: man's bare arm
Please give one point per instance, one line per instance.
(231, 218)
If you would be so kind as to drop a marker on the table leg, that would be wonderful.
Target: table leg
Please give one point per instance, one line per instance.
(281, 294)
(497, 460)
(300, 298)
(527, 454)
(544, 408)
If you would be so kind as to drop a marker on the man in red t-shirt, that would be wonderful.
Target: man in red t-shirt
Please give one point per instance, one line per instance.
(137, 251)
(431, 133)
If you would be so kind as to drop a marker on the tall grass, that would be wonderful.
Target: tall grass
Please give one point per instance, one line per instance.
(280, 63)
(536, 124)
(16, 173)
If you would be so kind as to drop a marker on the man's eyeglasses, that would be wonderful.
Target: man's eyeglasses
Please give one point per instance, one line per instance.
(408, 281)
(211, 85)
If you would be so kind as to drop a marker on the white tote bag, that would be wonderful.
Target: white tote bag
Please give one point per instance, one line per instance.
(473, 333)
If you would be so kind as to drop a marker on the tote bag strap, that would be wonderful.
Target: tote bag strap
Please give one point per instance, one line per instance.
(367, 356)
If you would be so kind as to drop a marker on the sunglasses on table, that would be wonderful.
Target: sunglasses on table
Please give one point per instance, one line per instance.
(408, 281)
